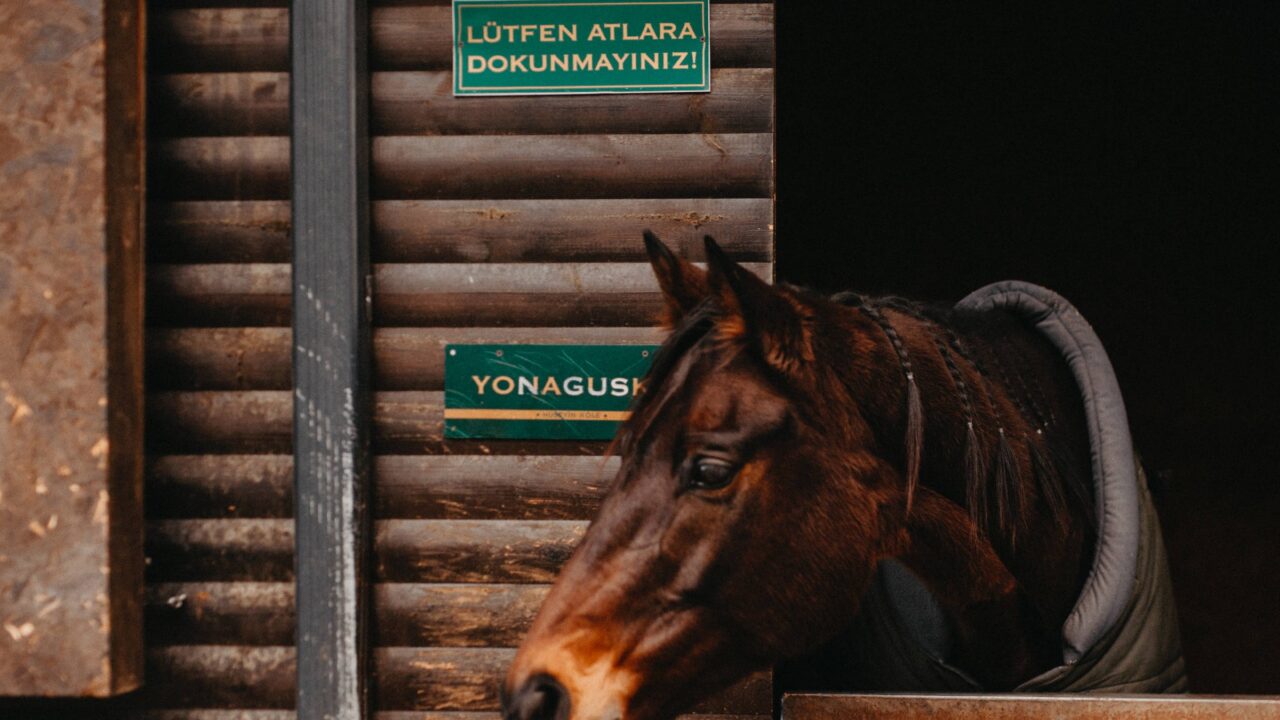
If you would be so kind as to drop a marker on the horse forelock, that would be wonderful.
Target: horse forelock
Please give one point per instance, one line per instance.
(690, 338)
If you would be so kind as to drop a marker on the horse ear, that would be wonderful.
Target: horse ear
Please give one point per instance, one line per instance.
(771, 320)
(683, 285)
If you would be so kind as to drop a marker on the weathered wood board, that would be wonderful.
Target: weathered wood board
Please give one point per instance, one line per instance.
(70, 348)
(1017, 707)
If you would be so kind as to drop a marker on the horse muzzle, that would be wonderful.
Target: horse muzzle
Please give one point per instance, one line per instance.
(541, 697)
(548, 690)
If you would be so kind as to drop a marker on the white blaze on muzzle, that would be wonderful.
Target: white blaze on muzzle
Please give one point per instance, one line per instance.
(598, 688)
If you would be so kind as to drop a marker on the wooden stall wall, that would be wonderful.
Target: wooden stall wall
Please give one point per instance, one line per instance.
(493, 220)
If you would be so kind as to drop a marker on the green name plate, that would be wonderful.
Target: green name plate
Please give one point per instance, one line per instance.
(517, 47)
(541, 392)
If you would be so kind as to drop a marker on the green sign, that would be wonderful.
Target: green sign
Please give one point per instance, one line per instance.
(517, 47)
(541, 392)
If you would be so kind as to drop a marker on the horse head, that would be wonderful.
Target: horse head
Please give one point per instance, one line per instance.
(747, 518)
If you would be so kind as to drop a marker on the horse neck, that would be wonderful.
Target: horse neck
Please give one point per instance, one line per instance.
(999, 637)
(1008, 589)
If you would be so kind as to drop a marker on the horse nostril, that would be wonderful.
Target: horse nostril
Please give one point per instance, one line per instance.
(541, 697)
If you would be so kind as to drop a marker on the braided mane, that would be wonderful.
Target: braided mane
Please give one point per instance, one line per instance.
(994, 494)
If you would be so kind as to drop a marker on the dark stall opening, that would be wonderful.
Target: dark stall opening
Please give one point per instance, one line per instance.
(1119, 155)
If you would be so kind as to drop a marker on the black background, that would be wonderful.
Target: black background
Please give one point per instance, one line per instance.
(1122, 155)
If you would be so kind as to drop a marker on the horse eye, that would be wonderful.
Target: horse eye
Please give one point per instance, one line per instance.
(708, 473)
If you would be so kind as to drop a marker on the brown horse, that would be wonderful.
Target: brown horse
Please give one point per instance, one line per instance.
(785, 446)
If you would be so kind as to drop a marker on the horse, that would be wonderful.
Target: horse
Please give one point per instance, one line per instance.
(787, 447)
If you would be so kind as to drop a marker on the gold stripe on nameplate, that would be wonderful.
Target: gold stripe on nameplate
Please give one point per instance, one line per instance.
(485, 414)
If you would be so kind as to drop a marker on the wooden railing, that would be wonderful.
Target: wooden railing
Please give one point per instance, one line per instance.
(1028, 707)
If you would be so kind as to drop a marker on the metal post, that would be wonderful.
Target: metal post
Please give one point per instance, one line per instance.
(331, 317)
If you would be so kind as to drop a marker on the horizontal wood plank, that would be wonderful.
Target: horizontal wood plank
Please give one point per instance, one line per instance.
(405, 615)
(220, 168)
(405, 423)
(490, 487)
(1020, 707)
(220, 677)
(219, 486)
(255, 39)
(260, 422)
(407, 679)
(405, 358)
(500, 309)
(219, 358)
(270, 279)
(234, 39)
(511, 231)
(405, 551)
(230, 231)
(407, 279)
(245, 550)
(484, 166)
(219, 103)
(422, 487)
(573, 166)
(423, 103)
(232, 294)
(474, 551)
(222, 422)
(454, 615)
(471, 231)
(440, 295)
(220, 613)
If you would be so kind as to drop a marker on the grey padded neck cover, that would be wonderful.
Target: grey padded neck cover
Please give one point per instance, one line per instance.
(1115, 563)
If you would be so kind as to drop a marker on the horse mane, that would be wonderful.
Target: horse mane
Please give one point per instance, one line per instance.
(995, 491)
(995, 494)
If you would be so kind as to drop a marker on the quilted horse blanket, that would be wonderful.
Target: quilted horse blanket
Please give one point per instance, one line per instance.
(1122, 634)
